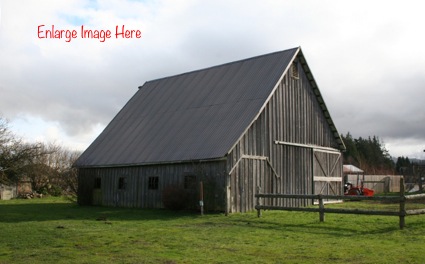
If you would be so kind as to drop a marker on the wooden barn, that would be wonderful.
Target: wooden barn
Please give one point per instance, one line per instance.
(261, 122)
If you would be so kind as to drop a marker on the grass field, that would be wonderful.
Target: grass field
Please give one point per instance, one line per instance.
(53, 230)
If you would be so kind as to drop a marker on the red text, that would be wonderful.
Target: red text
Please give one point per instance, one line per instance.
(125, 33)
(67, 34)
(101, 35)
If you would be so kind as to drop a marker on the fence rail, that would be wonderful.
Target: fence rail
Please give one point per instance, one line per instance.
(401, 199)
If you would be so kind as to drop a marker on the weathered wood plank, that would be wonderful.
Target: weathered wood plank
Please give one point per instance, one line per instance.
(415, 196)
(415, 212)
(327, 179)
(331, 197)
(328, 210)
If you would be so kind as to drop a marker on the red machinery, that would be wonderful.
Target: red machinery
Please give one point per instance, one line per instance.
(357, 190)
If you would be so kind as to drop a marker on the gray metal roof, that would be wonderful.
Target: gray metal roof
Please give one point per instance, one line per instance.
(192, 116)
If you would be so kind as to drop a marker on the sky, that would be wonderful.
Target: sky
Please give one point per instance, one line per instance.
(367, 58)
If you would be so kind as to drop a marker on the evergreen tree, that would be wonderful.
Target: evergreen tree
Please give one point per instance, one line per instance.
(351, 155)
(369, 154)
(403, 165)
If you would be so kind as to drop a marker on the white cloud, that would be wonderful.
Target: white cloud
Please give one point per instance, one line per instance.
(365, 55)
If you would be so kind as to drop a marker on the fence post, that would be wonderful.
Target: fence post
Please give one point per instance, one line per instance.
(321, 209)
(201, 197)
(402, 212)
(258, 201)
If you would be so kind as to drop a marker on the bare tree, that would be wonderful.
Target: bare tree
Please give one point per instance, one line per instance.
(48, 166)
(15, 155)
(52, 170)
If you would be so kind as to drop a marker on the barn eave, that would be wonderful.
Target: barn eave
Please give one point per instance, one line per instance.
(152, 163)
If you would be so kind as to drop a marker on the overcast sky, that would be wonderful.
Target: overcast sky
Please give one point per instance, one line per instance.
(366, 56)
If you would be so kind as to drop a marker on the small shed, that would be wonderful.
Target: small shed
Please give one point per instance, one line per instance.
(7, 192)
(13, 190)
(353, 174)
(260, 123)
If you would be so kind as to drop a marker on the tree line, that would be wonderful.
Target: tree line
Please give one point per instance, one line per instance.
(47, 166)
(369, 154)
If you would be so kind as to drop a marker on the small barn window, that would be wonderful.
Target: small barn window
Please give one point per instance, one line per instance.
(294, 71)
(189, 181)
(122, 183)
(97, 183)
(153, 183)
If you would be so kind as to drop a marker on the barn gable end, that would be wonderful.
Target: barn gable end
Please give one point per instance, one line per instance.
(256, 122)
(286, 146)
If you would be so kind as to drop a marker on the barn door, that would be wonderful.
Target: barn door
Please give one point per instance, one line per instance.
(246, 175)
(327, 172)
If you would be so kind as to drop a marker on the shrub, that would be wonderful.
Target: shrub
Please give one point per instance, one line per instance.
(174, 197)
(43, 190)
(55, 190)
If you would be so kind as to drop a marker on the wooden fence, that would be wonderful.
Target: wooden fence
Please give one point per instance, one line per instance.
(401, 199)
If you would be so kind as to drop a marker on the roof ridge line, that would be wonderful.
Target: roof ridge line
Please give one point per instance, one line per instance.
(218, 65)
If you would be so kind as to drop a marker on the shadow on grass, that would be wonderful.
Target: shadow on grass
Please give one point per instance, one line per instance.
(330, 228)
(21, 212)
(15, 213)
(333, 228)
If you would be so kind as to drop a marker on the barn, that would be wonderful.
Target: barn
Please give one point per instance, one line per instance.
(260, 123)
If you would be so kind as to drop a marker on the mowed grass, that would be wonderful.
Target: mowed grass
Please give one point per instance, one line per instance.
(53, 230)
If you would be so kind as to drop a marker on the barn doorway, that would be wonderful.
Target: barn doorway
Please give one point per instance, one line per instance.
(327, 172)
(97, 191)
(327, 168)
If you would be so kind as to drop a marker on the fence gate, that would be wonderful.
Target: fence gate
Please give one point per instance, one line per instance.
(327, 172)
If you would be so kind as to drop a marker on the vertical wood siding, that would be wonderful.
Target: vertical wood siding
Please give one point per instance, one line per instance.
(136, 192)
(244, 179)
(293, 114)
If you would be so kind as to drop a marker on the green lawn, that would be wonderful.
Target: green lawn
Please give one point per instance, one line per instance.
(53, 230)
